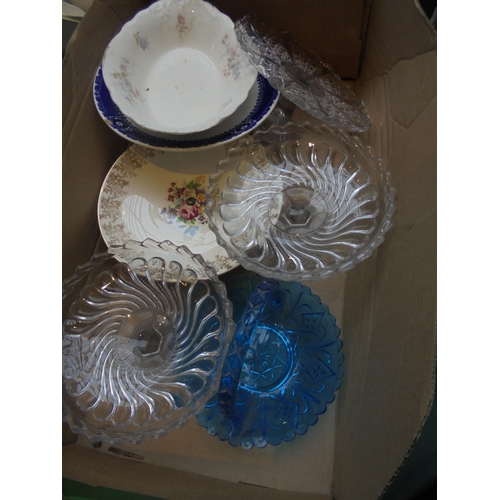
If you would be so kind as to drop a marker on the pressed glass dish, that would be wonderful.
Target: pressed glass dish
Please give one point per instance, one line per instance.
(283, 366)
(301, 76)
(300, 202)
(143, 342)
(176, 67)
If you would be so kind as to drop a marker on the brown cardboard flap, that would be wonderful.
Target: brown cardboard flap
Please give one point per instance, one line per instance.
(333, 29)
(389, 318)
(302, 465)
(98, 469)
(390, 299)
(90, 147)
(395, 34)
(68, 437)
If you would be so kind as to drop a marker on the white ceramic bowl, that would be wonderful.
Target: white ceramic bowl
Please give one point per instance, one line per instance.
(177, 67)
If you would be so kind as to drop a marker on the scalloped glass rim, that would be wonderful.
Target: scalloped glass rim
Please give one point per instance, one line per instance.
(82, 282)
(277, 135)
(267, 406)
(301, 76)
(234, 127)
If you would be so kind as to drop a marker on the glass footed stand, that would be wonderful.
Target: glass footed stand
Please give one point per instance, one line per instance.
(300, 202)
(143, 341)
(282, 369)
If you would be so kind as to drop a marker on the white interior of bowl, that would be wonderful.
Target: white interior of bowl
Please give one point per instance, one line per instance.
(177, 67)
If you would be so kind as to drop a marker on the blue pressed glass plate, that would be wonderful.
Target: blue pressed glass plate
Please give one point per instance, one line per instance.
(261, 100)
(283, 366)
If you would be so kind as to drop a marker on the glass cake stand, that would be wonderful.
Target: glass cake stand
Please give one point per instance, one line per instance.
(144, 342)
(300, 202)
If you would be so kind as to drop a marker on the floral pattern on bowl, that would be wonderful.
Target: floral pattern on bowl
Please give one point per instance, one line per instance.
(233, 60)
(143, 42)
(122, 76)
(182, 27)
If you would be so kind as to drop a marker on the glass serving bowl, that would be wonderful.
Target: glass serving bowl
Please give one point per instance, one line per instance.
(144, 342)
(283, 366)
(301, 76)
(300, 202)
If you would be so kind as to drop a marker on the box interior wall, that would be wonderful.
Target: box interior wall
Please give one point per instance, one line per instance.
(386, 305)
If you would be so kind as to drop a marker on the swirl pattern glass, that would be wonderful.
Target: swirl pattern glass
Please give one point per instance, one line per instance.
(143, 343)
(300, 202)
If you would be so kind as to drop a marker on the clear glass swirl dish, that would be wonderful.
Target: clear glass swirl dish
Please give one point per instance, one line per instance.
(283, 367)
(301, 76)
(143, 342)
(300, 202)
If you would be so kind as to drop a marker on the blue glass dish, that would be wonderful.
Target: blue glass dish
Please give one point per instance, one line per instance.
(266, 100)
(283, 366)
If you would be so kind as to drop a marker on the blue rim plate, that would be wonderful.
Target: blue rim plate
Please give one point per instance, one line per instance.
(283, 366)
(261, 100)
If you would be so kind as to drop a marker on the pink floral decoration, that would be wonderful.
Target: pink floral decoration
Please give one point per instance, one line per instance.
(189, 212)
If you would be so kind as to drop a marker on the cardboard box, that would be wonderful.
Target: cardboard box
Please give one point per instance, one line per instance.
(386, 306)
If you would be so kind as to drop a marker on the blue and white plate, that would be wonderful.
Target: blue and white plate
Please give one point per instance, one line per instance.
(261, 100)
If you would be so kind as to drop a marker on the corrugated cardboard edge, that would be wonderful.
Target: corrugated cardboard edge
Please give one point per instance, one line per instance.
(98, 469)
(417, 437)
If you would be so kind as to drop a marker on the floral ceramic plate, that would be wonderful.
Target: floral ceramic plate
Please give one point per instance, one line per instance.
(283, 366)
(261, 100)
(160, 195)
